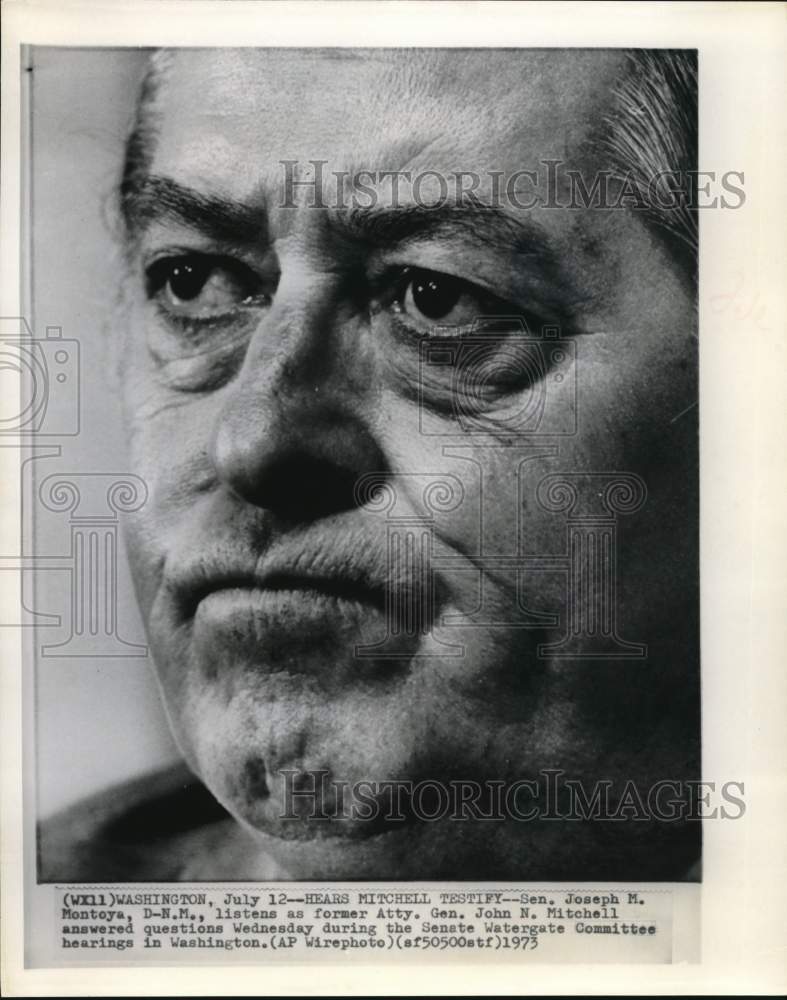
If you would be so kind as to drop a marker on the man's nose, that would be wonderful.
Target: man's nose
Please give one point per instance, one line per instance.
(292, 435)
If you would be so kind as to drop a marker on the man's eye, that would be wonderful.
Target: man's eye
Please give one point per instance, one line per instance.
(429, 299)
(202, 286)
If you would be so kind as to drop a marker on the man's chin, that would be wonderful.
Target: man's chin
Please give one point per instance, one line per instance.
(320, 837)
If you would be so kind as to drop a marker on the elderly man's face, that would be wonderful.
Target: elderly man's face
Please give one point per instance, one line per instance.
(279, 352)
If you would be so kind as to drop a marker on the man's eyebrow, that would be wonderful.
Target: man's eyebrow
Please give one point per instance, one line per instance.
(161, 199)
(473, 222)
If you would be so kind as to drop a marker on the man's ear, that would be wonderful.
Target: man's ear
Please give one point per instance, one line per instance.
(115, 324)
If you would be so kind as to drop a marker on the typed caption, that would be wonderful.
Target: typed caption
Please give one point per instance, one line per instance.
(173, 925)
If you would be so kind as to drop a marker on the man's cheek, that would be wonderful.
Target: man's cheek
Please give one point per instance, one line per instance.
(167, 445)
(144, 559)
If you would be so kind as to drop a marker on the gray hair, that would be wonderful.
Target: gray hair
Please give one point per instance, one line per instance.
(652, 130)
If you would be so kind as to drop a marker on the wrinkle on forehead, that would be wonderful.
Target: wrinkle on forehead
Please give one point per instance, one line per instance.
(475, 107)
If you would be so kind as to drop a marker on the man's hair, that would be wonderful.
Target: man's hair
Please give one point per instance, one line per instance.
(141, 141)
(650, 129)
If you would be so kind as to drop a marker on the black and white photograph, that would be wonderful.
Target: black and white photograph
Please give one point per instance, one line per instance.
(408, 400)
(358, 458)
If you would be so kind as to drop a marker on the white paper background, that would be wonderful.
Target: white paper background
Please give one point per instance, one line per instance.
(743, 447)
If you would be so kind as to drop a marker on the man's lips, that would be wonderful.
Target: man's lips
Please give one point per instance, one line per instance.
(303, 606)
(342, 570)
(303, 586)
(350, 574)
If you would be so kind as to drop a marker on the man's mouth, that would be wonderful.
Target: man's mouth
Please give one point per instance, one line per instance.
(298, 629)
(337, 587)
(326, 609)
(282, 588)
(349, 572)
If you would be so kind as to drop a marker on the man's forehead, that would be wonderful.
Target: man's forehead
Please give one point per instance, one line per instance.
(237, 112)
